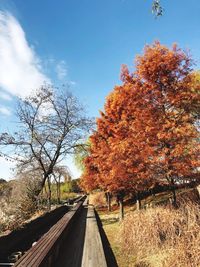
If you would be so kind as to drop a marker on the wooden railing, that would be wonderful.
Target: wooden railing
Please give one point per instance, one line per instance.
(21, 239)
(45, 252)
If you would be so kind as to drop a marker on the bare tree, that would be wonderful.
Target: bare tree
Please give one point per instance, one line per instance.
(51, 126)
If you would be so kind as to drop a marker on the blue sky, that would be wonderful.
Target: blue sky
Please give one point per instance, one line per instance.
(83, 43)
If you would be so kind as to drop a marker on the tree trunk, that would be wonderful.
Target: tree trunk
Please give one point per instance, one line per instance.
(49, 193)
(43, 183)
(108, 198)
(57, 187)
(45, 192)
(173, 189)
(121, 209)
(58, 190)
(138, 202)
(153, 193)
(174, 196)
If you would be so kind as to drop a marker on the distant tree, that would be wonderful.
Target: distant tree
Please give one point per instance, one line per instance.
(52, 125)
(72, 186)
(81, 152)
(75, 185)
(58, 173)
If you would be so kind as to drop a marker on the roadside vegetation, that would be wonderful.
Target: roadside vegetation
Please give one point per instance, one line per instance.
(18, 204)
(162, 236)
(157, 235)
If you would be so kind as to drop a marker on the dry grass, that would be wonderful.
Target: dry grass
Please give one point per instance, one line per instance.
(111, 227)
(162, 236)
(98, 199)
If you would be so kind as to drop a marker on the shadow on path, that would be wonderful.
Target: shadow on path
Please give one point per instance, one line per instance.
(72, 250)
(110, 257)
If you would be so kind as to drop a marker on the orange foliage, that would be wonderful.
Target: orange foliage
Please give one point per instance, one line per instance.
(147, 131)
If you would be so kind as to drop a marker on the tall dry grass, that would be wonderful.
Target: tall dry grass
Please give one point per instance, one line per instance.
(163, 236)
(98, 199)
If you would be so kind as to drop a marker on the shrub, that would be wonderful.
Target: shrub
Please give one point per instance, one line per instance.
(18, 203)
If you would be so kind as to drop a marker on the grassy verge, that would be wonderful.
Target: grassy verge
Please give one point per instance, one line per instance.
(111, 227)
(148, 225)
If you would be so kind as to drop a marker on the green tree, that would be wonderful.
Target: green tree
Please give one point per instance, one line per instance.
(81, 153)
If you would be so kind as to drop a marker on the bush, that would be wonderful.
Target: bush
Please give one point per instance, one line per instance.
(163, 236)
(18, 202)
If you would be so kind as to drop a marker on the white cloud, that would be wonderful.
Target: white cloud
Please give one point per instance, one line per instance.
(20, 69)
(5, 96)
(61, 70)
(58, 67)
(5, 111)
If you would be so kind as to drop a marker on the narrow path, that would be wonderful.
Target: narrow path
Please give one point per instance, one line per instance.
(72, 250)
(93, 253)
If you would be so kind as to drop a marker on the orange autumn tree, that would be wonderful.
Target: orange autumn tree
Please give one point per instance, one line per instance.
(127, 157)
(118, 154)
(94, 171)
(147, 131)
(172, 90)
